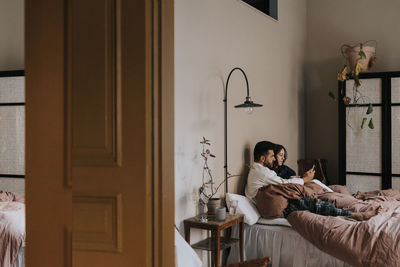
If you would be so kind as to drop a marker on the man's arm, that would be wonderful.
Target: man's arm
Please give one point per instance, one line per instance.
(272, 178)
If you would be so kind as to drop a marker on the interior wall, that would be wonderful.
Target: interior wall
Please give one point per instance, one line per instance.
(12, 58)
(211, 38)
(12, 34)
(329, 25)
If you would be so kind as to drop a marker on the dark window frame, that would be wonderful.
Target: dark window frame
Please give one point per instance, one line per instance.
(386, 105)
(268, 7)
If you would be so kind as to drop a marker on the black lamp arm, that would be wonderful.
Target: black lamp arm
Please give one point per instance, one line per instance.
(226, 123)
(227, 81)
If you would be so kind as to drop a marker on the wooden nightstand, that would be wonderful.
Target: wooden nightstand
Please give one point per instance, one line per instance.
(216, 243)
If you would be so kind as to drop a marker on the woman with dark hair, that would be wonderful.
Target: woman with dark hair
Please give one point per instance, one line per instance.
(282, 170)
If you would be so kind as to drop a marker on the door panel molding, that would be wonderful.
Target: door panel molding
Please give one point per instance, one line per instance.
(92, 43)
(97, 221)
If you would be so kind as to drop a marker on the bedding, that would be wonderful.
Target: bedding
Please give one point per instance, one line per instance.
(283, 244)
(375, 242)
(273, 199)
(12, 228)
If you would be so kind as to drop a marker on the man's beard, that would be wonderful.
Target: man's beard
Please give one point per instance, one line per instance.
(268, 165)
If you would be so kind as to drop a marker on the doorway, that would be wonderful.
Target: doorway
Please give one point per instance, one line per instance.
(99, 133)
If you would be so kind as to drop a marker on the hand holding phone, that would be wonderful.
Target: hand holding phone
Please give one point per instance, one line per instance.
(313, 167)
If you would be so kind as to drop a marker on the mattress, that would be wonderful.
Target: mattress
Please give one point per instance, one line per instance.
(276, 239)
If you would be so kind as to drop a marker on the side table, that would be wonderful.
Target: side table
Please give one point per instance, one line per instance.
(216, 242)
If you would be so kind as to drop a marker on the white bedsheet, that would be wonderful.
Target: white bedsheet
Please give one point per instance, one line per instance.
(274, 222)
(185, 256)
(20, 262)
(284, 245)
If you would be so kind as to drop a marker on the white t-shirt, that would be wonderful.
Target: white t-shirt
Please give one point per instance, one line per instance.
(260, 176)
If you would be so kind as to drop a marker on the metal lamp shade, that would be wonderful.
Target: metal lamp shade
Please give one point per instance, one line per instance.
(248, 104)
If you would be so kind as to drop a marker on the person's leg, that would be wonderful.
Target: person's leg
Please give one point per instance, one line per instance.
(325, 208)
(314, 206)
(300, 204)
(328, 209)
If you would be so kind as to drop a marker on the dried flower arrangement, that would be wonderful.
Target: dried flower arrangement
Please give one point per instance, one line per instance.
(208, 188)
(360, 57)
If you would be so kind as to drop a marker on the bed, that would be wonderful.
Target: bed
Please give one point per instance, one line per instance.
(20, 261)
(276, 238)
(308, 239)
(12, 230)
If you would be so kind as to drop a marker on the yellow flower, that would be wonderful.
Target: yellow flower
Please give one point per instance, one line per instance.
(346, 100)
(357, 69)
(342, 75)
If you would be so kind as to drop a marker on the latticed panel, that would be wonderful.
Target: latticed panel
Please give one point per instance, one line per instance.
(363, 183)
(363, 146)
(12, 89)
(395, 82)
(12, 140)
(396, 183)
(370, 88)
(396, 139)
(395, 90)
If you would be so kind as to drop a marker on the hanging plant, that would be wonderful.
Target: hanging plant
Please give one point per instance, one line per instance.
(358, 58)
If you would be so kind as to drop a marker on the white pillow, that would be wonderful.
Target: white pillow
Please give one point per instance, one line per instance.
(318, 182)
(245, 206)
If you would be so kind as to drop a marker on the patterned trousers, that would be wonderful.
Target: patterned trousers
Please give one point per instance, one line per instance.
(315, 206)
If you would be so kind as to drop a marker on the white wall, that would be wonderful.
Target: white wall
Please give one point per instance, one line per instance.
(11, 35)
(329, 25)
(212, 37)
(12, 58)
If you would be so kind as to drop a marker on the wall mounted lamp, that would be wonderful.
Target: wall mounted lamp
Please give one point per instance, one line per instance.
(248, 105)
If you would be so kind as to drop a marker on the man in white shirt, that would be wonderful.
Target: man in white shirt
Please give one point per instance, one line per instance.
(261, 173)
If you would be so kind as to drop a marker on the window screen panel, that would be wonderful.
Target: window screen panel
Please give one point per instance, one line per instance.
(396, 183)
(363, 146)
(363, 183)
(12, 140)
(396, 139)
(395, 90)
(12, 89)
(371, 88)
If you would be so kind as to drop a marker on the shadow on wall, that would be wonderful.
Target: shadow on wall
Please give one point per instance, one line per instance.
(322, 113)
(242, 179)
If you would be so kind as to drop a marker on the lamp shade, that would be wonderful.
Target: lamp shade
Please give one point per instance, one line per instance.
(248, 104)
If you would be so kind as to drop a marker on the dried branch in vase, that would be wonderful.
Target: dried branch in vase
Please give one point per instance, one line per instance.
(208, 188)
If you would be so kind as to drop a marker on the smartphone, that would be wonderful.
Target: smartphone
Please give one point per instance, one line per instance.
(313, 167)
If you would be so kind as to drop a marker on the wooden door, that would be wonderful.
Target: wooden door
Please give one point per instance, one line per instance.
(113, 122)
(48, 196)
(105, 88)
